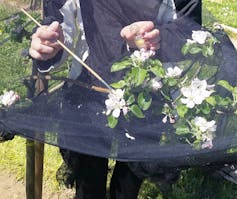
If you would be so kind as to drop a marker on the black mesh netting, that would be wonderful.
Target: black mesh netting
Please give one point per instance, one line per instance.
(72, 117)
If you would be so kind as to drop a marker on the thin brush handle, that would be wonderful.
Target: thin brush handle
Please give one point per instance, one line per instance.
(72, 54)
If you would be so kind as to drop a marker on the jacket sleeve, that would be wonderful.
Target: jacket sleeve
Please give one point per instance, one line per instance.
(65, 13)
(192, 8)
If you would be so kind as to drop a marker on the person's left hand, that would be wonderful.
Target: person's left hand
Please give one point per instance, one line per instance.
(141, 34)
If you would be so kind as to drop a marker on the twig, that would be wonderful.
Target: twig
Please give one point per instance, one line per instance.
(52, 90)
(82, 84)
(72, 54)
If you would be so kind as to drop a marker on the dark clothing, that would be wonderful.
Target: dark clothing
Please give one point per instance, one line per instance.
(124, 183)
(90, 175)
(103, 21)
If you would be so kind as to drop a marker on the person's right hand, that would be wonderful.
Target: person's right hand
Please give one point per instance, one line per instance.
(141, 34)
(44, 44)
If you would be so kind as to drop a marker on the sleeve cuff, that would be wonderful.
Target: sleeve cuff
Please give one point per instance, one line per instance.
(46, 66)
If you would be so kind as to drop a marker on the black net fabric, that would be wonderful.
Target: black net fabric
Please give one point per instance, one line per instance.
(72, 117)
(82, 128)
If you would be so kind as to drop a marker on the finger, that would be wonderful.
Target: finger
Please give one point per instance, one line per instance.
(54, 26)
(155, 33)
(51, 44)
(145, 26)
(128, 32)
(44, 33)
(154, 46)
(136, 28)
(41, 48)
(39, 56)
(153, 41)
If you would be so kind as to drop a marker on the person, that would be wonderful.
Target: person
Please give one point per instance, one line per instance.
(106, 29)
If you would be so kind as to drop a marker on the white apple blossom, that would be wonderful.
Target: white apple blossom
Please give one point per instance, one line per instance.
(170, 117)
(156, 84)
(198, 91)
(115, 103)
(190, 41)
(8, 98)
(204, 125)
(125, 110)
(174, 72)
(208, 129)
(142, 55)
(199, 37)
(207, 144)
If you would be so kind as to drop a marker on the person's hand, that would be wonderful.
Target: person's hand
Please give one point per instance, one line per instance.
(141, 34)
(44, 44)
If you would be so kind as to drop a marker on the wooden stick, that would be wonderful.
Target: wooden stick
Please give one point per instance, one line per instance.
(229, 28)
(82, 84)
(72, 54)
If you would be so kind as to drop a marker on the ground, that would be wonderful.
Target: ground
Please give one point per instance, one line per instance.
(10, 188)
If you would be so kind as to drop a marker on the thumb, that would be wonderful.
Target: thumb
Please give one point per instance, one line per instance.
(54, 26)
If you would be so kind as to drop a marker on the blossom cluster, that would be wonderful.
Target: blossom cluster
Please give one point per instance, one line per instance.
(199, 37)
(115, 103)
(196, 92)
(189, 102)
(8, 98)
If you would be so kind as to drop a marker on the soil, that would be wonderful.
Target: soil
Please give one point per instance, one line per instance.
(11, 188)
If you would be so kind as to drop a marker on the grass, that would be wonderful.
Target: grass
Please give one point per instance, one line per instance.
(223, 11)
(194, 183)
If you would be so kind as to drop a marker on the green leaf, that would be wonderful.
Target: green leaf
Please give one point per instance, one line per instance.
(220, 101)
(119, 84)
(234, 93)
(195, 50)
(144, 101)
(112, 121)
(130, 100)
(155, 63)
(193, 70)
(185, 49)
(184, 65)
(117, 66)
(157, 71)
(197, 144)
(208, 51)
(205, 108)
(137, 111)
(207, 72)
(232, 150)
(226, 85)
(211, 100)
(139, 75)
(182, 110)
(172, 81)
(224, 101)
(182, 130)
